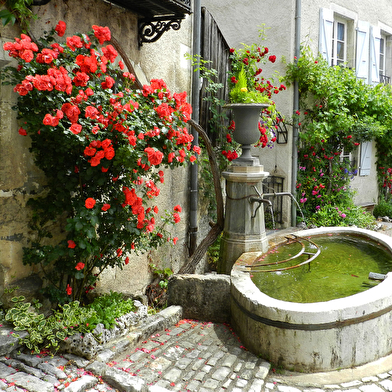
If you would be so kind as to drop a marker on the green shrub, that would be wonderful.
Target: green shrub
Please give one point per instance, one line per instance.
(342, 216)
(47, 332)
(384, 208)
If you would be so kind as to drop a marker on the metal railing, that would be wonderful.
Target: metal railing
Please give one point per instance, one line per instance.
(385, 79)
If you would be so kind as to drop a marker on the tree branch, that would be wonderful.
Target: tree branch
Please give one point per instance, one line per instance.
(217, 228)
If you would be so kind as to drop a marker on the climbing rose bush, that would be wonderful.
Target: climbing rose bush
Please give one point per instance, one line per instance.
(101, 144)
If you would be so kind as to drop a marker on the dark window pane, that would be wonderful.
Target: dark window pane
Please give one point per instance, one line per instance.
(340, 32)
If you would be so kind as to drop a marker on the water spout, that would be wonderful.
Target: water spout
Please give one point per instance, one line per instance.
(259, 199)
(286, 194)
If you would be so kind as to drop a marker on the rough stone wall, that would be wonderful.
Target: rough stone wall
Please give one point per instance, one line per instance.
(20, 179)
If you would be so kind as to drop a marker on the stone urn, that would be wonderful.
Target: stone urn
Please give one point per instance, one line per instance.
(246, 132)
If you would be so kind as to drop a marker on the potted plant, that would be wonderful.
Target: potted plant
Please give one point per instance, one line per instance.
(251, 99)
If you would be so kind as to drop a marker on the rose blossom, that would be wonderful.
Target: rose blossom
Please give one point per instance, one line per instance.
(60, 28)
(79, 266)
(90, 203)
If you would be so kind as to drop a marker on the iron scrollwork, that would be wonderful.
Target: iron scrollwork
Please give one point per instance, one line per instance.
(150, 30)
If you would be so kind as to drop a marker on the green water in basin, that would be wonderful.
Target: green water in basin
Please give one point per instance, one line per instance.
(340, 270)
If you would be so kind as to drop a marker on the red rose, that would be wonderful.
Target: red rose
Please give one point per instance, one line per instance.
(105, 207)
(74, 42)
(75, 128)
(102, 33)
(81, 79)
(108, 83)
(22, 132)
(154, 156)
(109, 153)
(68, 289)
(110, 53)
(60, 28)
(90, 203)
(272, 58)
(177, 208)
(176, 218)
(71, 244)
(79, 266)
(89, 152)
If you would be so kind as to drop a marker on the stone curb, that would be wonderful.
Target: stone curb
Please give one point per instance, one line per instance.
(164, 319)
(120, 380)
(37, 376)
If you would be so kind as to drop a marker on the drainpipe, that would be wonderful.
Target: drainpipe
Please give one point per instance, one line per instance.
(193, 227)
(294, 154)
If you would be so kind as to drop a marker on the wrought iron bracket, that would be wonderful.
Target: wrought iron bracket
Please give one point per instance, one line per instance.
(151, 29)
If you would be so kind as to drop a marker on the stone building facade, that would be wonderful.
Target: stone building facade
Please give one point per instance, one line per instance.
(365, 29)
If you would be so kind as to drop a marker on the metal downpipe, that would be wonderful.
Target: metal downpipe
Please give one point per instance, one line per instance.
(294, 154)
(193, 202)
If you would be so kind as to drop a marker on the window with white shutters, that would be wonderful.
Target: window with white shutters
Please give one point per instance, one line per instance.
(326, 34)
(362, 55)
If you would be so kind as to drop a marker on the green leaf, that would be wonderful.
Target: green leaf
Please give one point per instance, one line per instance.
(7, 17)
(82, 244)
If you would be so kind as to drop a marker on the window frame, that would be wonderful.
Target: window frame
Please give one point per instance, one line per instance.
(335, 40)
(353, 159)
(382, 55)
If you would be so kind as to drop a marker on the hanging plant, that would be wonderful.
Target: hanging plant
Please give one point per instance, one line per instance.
(17, 10)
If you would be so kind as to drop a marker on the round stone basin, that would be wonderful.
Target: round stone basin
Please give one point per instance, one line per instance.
(317, 336)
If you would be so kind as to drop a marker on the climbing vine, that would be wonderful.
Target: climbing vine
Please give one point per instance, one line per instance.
(338, 112)
(102, 145)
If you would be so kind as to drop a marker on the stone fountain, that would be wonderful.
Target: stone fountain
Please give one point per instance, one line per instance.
(244, 229)
(309, 337)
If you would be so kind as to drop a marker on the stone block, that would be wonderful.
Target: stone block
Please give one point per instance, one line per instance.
(82, 384)
(31, 383)
(202, 297)
(123, 381)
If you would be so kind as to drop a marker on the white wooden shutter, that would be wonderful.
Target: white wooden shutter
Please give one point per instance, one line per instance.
(374, 58)
(325, 35)
(362, 63)
(365, 159)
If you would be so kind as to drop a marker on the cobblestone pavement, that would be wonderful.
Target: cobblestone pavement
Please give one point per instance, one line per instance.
(191, 356)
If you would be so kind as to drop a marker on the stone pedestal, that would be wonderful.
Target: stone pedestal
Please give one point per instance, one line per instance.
(244, 229)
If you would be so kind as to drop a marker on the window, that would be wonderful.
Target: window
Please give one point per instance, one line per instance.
(344, 40)
(383, 73)
(382, 56)
(359, 159)
(339, 43)
(368, 53)
(352, 159)
(334, 37)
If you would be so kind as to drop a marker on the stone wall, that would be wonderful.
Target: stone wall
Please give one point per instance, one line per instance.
(21, 180)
